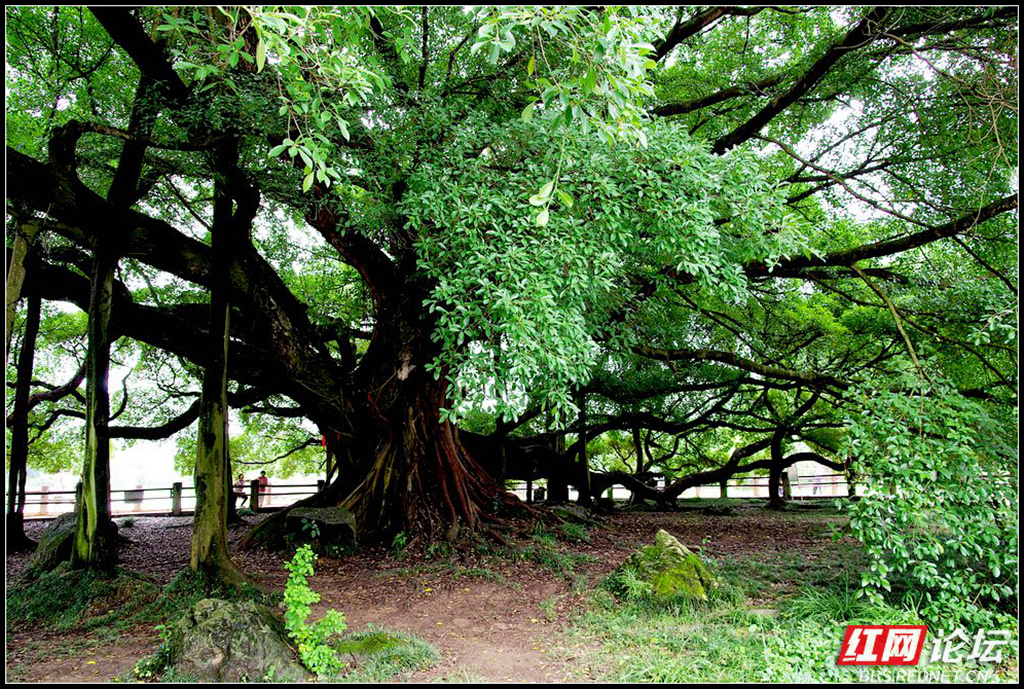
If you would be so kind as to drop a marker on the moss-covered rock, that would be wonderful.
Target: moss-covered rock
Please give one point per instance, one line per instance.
(224, 641)
(664, 570)
(55, 544)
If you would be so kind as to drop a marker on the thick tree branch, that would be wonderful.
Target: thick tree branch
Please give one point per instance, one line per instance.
(730, 359)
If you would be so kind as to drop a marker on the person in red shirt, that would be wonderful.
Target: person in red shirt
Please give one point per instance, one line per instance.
(264, 487)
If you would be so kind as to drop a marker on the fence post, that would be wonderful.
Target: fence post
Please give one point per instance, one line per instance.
(529, 491)
(723, 487)
(78, 496)
(320, 485)
(176, 499)
(787, 490)
(254, 495)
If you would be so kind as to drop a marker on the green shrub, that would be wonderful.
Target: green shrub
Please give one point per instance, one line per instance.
(941, 506)
(313, 639)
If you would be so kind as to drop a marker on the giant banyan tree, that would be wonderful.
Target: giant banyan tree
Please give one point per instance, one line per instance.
(383, 220)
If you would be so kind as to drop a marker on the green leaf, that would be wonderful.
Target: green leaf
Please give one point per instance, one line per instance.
(565, 198)
(261, 55)
(589, 81)
(307, 182)
(542, 218)
(528, 112)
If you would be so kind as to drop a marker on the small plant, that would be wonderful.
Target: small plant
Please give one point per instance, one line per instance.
(127, 522)
(626, 584)
(313, 640)
(549, 608)
(399, 542)
(151, 666)
(542, 536)
(311, 529)
(575, 533)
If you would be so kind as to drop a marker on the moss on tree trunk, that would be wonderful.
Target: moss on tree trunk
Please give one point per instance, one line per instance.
(209, 552)
(95, 545)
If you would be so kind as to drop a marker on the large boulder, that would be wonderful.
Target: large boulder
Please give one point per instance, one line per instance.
(56, 543)
(333, 524)
(222, 641)
(665, 570)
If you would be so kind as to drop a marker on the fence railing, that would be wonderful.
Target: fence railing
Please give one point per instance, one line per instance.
(179, 499)
(176, 499)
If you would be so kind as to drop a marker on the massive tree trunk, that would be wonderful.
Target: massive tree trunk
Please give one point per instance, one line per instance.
(95, 540)
(16, 538)
(422, 479)
(209, 552)
(404, 470)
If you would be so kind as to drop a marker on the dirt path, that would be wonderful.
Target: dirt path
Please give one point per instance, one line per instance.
(491, 620)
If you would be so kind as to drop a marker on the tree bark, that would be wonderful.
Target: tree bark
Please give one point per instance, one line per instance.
(558, 481)
(209, 551)
(95, 542)
(16, 538)
(638, 449)
(24, 236)
(583, 497)
(775, 498)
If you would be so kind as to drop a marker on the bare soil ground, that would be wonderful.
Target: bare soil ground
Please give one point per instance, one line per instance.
(491, 619)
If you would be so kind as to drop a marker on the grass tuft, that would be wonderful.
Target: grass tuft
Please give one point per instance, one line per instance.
(377, 654)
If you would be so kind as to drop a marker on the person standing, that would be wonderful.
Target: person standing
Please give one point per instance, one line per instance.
(264, 487)
(239, 490)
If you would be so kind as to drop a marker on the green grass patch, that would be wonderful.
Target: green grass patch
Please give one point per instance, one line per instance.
(104, 605)
(775, 620)
(67, 599)
(377, 654)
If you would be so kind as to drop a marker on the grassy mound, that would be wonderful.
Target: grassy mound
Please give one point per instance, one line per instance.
(377, 654)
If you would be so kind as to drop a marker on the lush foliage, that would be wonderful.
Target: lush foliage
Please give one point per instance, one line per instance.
(941, 509)
(312, 638)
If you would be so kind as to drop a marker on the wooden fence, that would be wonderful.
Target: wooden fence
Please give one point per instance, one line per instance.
(179, 499)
